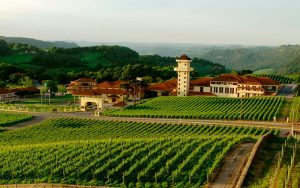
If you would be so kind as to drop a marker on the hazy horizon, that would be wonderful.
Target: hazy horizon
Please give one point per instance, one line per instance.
(207, 22)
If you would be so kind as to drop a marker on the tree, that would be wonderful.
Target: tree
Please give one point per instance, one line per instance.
(2, 84)
(50, 86)
(4, 48)
(6, 70)
(61, 89)
(26, 81)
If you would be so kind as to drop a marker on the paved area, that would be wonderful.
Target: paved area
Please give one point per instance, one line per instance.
(287, 90)
(38, 117)
(233, 166)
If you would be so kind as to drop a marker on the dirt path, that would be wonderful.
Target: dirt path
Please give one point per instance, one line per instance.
(233, 166)
(47, 185)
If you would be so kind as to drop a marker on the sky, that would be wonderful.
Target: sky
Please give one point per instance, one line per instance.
(247, 22)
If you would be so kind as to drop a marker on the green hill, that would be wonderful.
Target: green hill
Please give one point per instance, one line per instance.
(99, 62)
(256, 58)
(39, 43)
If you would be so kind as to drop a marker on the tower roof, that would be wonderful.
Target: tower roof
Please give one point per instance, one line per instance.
(183, 57)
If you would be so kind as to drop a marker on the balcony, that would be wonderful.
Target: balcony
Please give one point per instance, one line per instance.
(181, 69)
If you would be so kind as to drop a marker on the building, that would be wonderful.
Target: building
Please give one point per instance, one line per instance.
(183, 70)
(7, 95)
(81, 84)
(201, 86)
(224, 85)
(26, 91)
(110, 92)
(230, 85)
(164, 88)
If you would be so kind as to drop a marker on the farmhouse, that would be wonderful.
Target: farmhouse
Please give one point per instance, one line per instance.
(82, 84)
(104, 92)
(7, 95)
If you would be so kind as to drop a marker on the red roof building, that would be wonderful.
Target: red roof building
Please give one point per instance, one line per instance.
(7, 95)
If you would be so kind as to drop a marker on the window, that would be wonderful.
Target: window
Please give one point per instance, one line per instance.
(215, 89)
(226, 90)
(221, 89)
(231, 90)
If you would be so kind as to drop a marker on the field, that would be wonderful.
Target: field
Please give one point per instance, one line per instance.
(261, 108)
(8, 118)
(94, 152)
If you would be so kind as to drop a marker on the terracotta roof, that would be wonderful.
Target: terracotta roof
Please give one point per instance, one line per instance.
(205, 81)
(228, 77)
(110, 91)
(250, 80)
(85, 80)
(118, 83)
(5, 91)
(83, 93)
(267, 81)
(183, 57)
(168, 85)
(191, 93)
(27, 89)
(107, 84)
(246, 79)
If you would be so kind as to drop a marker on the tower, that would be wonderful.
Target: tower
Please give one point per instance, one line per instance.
(183, 70)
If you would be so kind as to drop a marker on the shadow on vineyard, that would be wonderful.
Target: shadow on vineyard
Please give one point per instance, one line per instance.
(8, 118)
(135, 154)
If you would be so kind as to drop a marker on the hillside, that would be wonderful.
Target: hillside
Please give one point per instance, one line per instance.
(39, 43)
(292, 66)
(99, 62)
(256, 58)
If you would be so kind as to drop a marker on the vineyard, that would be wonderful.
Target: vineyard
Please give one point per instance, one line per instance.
(279, 78)
(94, 152)
(295, 110)
(72, 129)
(284, 169)
(261, 108)
(8, 118)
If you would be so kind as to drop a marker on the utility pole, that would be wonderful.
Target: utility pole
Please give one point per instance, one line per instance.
(49, 97)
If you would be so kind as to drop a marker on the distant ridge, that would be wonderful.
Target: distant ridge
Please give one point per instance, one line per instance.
(39, 43)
